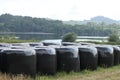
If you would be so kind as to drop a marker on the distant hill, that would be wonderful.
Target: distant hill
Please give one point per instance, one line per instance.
(10, 23)
(97, 19)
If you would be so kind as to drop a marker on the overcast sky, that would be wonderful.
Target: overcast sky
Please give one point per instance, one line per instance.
(62, 9)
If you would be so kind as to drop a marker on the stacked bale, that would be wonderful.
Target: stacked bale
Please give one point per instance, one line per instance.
(19, 61)
(2, 46)
(67, 59)
(88, 57)
(46, 60)
(119, 48)
(105, 56)
(116, 55)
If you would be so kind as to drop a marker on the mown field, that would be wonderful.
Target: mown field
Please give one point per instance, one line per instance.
(112, 73)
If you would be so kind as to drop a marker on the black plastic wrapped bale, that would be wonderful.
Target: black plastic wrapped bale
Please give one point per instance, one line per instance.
(116, 55)
(68, 59)
(105, 56)
(1, 48)
(88, 57)
(46, 60)
(19, 61)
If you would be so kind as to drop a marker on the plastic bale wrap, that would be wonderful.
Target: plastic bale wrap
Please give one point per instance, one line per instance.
(68, 44)
(1, 48)
(19, 61)
(68, 59)
(46, 60)
(116, 55)
(88, 57)
(105, 56)
(0, 60)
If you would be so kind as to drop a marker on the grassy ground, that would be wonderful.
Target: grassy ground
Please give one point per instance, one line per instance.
(12, 77)
(112, 73)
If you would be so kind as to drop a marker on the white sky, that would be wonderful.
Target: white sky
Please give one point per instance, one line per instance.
(62, 9)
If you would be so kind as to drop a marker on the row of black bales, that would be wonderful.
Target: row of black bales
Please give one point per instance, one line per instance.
(48, 60)
(108, 55)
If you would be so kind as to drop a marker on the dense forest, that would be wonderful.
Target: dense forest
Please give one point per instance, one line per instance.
(11, 23)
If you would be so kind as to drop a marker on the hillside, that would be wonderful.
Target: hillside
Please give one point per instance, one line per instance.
(97, 19)
(11, 23)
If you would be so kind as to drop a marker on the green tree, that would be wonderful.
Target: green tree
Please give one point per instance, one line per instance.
(69, 37)
(113, 38)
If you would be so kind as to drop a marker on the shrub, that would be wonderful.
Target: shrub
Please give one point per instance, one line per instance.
(113, 38)
(69, 37)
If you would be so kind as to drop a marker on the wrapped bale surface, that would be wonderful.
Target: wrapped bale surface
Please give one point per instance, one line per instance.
(1, 48)
(105, 56)
(67, 59)
(68, 43)
(88, 57)
(46, 60)
(116, 55)
(19, 61)
(35, 44)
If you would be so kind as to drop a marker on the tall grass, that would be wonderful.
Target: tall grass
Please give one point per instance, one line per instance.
(13, 77)
(112, 73)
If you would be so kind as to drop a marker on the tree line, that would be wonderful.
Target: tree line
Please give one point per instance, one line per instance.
(11, 23)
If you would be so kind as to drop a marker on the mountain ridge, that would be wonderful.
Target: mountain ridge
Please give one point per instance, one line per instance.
(96, 19)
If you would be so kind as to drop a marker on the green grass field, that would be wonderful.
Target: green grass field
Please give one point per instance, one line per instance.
(112, 73)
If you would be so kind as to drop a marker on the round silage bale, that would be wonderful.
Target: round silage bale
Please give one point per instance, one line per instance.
(1, 48)
(67, 59)
(105, 56)
(46, 60)
(116, 50)
(88, 57)
(19, 61)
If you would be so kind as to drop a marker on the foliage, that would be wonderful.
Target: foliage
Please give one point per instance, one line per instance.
(10, 23)
(69, 37)
(113, 38)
